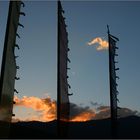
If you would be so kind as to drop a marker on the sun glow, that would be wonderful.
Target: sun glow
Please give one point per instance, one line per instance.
(83, 117)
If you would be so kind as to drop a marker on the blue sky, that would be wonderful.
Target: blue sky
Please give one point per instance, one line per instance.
(89, 76)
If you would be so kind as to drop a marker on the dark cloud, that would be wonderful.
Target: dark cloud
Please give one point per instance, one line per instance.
(101, 112)
(76, 110)
(104, 112)
(101, 108)
(124, 112)
(94, 103)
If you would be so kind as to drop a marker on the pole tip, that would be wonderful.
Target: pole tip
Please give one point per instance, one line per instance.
(107, 28)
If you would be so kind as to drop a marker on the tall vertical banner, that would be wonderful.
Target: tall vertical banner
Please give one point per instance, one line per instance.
(113, 83)
(62, 85)
(8, 69)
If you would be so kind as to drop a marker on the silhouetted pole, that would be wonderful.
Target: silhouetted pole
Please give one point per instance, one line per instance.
(112, 79)
(62, 82)
(58, 69)
(9, 67)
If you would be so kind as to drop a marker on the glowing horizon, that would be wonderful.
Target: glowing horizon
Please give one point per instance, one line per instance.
(44, 110)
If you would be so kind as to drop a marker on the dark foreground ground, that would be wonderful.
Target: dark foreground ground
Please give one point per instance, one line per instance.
(128, 127)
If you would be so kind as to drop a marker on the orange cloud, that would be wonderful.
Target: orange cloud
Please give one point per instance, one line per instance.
(46, 107)
(83, 117)
(46, 110)
(102, 44)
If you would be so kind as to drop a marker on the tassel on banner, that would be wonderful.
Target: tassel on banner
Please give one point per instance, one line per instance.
(17, 46)
(22, 13)
(70, 94)
(17, 35)
(17, 78)
(69, 86)
(17, 67)
(19, 24)
(13, 115)
(16, 56)
(115, 61)
(117, 77)
(16, 91)
(117, 92)
(22, 3)
(117, 68)
(68, 60)
(68, 49)
(118, 100)
(14, 102)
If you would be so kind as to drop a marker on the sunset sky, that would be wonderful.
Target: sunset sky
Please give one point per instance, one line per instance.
(88, 77)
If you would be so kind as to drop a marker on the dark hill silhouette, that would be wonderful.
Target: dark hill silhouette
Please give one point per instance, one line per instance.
(128, 127)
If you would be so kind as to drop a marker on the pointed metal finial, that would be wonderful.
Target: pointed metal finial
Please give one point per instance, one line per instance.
(60, 6)
(108, 29)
